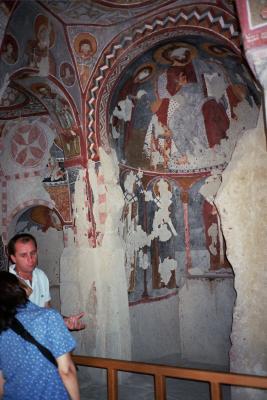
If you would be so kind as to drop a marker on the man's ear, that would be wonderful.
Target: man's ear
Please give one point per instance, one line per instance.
(13, 259)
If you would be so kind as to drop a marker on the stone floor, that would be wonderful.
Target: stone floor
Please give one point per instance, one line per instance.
(140, 387)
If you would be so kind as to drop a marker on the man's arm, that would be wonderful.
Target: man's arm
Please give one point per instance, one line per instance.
(67, 372)
(72, 322)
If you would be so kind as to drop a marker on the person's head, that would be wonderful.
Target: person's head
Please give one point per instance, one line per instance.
(44, 91)
(67, 71)
(85, 47)
(22, 250)
(12, 296)
(43, 33)
(181, 55)
(144, 73)
(9, 48)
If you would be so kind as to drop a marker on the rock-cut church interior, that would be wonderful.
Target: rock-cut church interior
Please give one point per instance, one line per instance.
(133, 147)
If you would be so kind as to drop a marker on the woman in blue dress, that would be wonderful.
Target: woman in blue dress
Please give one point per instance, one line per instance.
(25, 373)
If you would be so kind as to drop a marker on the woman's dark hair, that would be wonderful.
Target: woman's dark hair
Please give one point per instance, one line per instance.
(12, 296)
(22, 238)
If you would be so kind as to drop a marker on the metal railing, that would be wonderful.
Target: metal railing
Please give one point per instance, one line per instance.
(160, 372)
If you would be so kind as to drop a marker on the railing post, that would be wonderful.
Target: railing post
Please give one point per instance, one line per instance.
(160, 387)
(215, 391)
(112, 384)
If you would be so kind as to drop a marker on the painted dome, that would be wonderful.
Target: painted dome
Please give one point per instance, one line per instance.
(181, 106)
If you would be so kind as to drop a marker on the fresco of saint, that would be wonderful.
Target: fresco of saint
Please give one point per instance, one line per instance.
(38, 49)
(85, 47)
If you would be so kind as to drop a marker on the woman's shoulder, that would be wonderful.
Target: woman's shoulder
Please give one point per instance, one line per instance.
(36, 310)
(40, 315)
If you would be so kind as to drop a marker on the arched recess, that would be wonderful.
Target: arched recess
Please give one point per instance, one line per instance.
(134, 41)
(123, 93)
(219, 29)
(43, 221)
(47, 95)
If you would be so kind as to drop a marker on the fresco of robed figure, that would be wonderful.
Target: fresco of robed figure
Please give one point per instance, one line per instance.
(177, 115)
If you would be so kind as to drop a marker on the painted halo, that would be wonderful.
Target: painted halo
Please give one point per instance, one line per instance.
(13, 57)
(163, 54)
(218, 50)
(68, 81)
(144, 72)
(85, 38)
(38, 86)
(42, 21)
(155, 187)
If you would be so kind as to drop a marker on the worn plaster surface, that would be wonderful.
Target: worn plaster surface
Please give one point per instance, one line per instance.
(205, 312)
(243, 208)
(155, 329)
(93, 280)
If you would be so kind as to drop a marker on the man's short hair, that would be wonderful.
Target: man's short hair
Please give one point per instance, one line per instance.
(22, 238)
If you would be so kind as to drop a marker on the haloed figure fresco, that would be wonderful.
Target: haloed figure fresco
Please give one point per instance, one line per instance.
(185, 103)
(174, 120)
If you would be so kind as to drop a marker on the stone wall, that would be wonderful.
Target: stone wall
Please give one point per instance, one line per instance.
(243, 208)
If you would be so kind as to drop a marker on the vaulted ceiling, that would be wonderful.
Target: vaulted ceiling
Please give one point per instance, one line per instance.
(52, 50)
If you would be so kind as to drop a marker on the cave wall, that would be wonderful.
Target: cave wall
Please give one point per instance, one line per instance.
(96, 160)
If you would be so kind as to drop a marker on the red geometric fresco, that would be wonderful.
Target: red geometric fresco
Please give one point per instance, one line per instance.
(28, 145)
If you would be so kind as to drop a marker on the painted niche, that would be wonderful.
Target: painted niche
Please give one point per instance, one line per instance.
(174, 119)
(171, 229)
(181, 107)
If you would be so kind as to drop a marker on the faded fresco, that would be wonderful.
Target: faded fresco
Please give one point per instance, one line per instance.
(10, 51)
(175, 107)
(117, 120)
(171, 229)
(40, 217)
(174, 116)
(253, 18)
(85, 47)
(174, 121)
(39, 47)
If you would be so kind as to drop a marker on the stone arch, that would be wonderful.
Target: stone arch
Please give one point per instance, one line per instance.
(17, 212)
(186, 175)
(143, 36)
(145, 287)
(56, 101)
